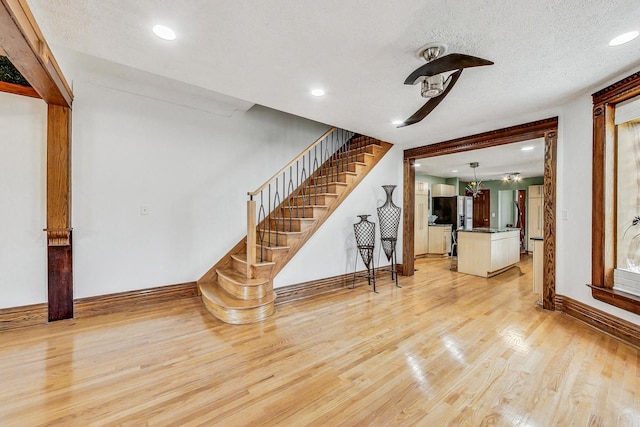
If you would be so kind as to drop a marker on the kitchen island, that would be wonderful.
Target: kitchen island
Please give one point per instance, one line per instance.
(486, 252)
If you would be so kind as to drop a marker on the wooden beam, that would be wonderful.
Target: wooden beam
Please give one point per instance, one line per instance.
(492, 138)
(59, 212)
(58, 174)
(408, 225)
(18, 89)
(28, 51)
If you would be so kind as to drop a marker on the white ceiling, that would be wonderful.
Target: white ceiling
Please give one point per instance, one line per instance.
(360, 51)
(494, 162)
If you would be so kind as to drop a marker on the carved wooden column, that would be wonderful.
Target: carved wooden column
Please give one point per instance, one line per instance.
(549, 273)
(408, 265)
(60, 283)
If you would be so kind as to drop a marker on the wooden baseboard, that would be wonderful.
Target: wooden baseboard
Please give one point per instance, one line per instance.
(29, 315)
(314, 288)
(122, 301)
(605, 322)
(19, 317)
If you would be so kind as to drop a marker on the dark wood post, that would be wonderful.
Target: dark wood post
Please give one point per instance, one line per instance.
(60, 277)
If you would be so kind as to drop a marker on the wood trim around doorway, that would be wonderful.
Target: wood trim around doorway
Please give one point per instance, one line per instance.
(547, 129)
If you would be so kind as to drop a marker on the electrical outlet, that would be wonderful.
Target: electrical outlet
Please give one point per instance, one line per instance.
(144, 210)
(565, 215)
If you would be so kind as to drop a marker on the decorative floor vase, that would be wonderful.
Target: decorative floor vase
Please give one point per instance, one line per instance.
(365, 231)
(389, 217)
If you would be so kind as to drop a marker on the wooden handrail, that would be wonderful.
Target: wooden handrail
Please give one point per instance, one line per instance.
(298, 157)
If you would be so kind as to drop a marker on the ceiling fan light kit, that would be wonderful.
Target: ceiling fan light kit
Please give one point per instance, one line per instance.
(432, 86)
(435, 84)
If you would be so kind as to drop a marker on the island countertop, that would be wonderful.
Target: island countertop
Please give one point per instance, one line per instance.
(486, 252)
(488, 230)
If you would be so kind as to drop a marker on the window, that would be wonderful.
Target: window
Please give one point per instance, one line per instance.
(616, 195)
(626, 276)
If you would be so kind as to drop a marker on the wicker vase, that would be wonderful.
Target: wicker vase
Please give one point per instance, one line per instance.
(389, 217)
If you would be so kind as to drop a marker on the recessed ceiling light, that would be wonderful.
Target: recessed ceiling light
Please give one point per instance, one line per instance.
(454, 171)
(416, 165)
(164, 32)
(397, 122)
(527, 148)
(317, 92)
(623, 38)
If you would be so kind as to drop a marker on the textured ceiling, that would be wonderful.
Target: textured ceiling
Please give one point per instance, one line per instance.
(360, 51)
(494, 162)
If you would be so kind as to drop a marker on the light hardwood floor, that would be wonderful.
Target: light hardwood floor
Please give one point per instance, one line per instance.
(446, 349)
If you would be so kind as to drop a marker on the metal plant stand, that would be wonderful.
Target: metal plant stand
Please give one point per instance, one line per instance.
(389, 217)
(365, 232)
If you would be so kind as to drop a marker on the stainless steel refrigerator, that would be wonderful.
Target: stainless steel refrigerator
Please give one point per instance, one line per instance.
(454, 210)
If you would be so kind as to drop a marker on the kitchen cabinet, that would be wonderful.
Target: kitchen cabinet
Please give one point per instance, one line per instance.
(422, 188)
(438, 190)
(421, 226)
(439, 239)
(538, 266)
(536, 190)
(535, 214)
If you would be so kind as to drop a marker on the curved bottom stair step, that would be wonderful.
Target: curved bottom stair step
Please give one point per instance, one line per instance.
(232, 310)
(241, 287)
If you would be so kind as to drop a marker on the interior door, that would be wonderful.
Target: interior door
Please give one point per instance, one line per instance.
(482, 209)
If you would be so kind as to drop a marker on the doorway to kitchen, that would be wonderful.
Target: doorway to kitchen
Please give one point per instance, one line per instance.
(546, 129)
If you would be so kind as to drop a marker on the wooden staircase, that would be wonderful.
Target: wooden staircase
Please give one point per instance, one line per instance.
(237, 291)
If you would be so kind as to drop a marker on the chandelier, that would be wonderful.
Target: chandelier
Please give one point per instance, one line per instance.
(475, 187)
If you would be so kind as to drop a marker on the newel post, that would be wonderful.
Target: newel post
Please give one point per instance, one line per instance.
(251, 236)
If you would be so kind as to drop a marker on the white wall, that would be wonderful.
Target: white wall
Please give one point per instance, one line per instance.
(331, 251)
(190, 168)
(575, 149)
(23, 245)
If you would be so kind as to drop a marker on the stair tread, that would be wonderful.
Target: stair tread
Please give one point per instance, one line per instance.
(274, 248)
(319, 194)
(306, 206)
(293, 219)
(240, 278)
(243, 258)
(214, 292)
(345, 172)
(337, 164)
(288, 233)
(339, 183)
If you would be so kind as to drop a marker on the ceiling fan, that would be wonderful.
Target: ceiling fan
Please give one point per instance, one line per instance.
(435, 85)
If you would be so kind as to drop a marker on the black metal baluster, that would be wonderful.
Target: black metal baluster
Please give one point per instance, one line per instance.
(328, 159)
(270, 214)
(315, 181)
(305, 187)
(262, 225)
(276, 208)
(293, 200)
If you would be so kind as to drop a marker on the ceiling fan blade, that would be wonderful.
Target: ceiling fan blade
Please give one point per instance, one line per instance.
(454, 61)
(432, 103)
